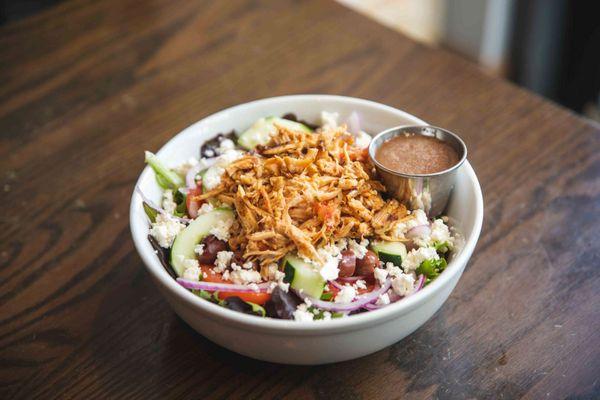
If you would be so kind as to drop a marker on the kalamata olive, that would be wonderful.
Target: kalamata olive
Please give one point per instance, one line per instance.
(209, 148)
(282, 304)
(347, 264)
(238, 259)
(212, 246)
(366, 265)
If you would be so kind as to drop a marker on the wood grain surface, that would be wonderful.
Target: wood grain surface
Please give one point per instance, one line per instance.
(86, 86)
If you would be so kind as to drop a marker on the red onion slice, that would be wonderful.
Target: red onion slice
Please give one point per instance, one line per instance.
(350, 279)
(360, 301)
(336, 284)
(344, 280)
(395, 297)
(420, 283)
(419, 231)
(226, 287)
(373, 306)
(190, 177)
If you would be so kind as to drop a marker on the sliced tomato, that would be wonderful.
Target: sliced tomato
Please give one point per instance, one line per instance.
(370, 287)
(325, 212)
(191, 203)
(257, 298)
(209, 275)
(329, 288)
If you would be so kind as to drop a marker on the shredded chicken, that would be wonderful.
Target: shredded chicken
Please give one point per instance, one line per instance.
(303, 190)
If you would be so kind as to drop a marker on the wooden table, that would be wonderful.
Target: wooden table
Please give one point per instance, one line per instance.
(87, 86)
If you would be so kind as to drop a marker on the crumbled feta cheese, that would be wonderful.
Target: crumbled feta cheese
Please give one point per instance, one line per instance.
(392, 270)
(359, 249)
(248, 265)
(381, 275)
(440, 232)
(253, 286)
(362, 140)
(331, 253)
(167, 202)
(330, 271)
(272, 273)
(326, 315)
(345, 295)
(307, 302)
(192, 273)
(225, 146)
(221, 229)
(415, 257)
(223, 260)
(212, 177)
(204, 208)
(164, 229)
(183, 169)
(341, 244)
(383, 299)
(360, 284)
(188, 262)
(244, 276)
(191, 267)
(403, 285)
(228, 157)
(225, 275)
(283, 286)
(302, 314)
(329, 120)
(279, 275)
(199, 249)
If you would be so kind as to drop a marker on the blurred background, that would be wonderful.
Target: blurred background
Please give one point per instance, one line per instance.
(551, 47)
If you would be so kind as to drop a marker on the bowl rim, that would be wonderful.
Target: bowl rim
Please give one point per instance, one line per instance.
(254, 323)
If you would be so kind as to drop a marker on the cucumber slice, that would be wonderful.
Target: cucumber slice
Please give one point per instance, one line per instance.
(303, 276)
(198, 229)
(393, 252)
(261, 131)
(164, 175)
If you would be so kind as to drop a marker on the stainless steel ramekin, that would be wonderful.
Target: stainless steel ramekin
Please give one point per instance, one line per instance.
(429, 192)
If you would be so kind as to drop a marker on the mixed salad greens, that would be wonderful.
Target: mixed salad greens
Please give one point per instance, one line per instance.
(288, 220)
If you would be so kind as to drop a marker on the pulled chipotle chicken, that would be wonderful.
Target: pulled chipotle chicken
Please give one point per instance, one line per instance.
(303, 190)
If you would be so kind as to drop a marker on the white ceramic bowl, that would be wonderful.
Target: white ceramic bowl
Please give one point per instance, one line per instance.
(314, 342)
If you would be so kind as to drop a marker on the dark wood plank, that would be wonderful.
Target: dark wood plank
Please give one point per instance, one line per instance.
(87, 86)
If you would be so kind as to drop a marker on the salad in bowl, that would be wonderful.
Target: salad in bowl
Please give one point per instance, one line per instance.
(288, 220)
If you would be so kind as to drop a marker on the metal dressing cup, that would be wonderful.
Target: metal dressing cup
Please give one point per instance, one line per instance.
(429, 192)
